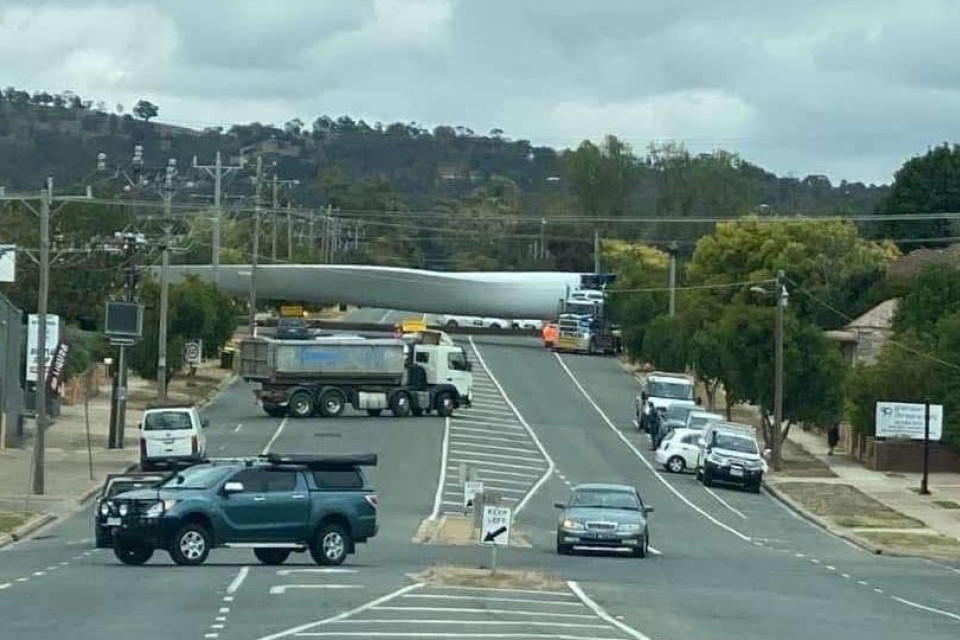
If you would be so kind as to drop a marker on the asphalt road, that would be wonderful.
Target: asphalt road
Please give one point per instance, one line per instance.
(728, 563)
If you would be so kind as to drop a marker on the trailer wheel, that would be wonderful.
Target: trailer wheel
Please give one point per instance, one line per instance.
(301, 404)
(332, 403)
(400, 404)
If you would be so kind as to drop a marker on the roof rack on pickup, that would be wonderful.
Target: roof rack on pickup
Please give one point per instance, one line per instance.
(323, 461)
(669, 374)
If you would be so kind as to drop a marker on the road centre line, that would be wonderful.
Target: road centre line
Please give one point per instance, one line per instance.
(500, 456)
(643, 459)
(496, 464)
(602, 613)
(276, 434)
(508, 612)
(444, 453)
(238, 427)
(922, 607)
(446, 596)
(238, 581)
(723, 502)
(298, 630)
(5, 585)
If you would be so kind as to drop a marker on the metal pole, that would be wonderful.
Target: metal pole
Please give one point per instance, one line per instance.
(217, 214)
(289, 233)
(543, 238)
(778, 384)
(926, 450)
(122, 360)
(673, 279)
(255, 251)
(273, 229)
(596, 251)
(41, 397)
(164, 288)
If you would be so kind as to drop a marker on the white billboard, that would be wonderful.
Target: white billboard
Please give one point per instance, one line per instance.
(53, 337)
(8, 263)
(906, 420)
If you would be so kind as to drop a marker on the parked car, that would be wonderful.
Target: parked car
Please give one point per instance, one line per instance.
(661, 390)
(699, 419)
(275, 505)
(675, 417)
(728, 452)
(531, 325)
(171, 435)
(114, 485)
(678, 451)
(293, 329)
(611, 516)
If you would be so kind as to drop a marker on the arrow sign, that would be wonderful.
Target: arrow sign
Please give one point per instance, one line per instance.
(492, 535)
(495, 529)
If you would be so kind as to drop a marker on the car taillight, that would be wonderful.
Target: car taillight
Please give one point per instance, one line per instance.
(372, 500)
(194, 444)
(143, 447)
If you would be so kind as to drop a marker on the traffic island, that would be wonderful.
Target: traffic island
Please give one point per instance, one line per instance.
(459, 531)
(449, 576)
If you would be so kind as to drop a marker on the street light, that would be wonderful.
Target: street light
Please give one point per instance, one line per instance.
(782, 298)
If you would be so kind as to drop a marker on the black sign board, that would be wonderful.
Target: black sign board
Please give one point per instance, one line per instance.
(124, 319)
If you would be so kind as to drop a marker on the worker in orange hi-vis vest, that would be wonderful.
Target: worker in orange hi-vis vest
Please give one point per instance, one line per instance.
(550, 334)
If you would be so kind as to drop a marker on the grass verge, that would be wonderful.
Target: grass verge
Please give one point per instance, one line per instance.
(914, 543)
(846, 506)
(11, 520)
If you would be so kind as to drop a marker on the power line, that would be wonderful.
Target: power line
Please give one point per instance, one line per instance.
(695, 287)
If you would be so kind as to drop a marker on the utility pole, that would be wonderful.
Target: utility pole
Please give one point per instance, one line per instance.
(289, 233)
(596, 251)
(275, 210)
(543, 239)
(165, 279)
(782, 295)
(256, 250)
(218, 171)
(673, 279)
(41, 397)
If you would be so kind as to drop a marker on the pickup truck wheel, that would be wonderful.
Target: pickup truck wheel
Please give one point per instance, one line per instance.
(331, 545)
(400, 404)
(191, 544)
(132, 553)
(301, 404)
(374, 413)
(272, 556)
(706, 478)
(332, 403)
(444, 404)
(274, 410)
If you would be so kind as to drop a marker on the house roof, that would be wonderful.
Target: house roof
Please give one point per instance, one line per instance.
(879, 317)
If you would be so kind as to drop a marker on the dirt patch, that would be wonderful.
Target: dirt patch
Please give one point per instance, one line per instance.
(796, 462)
(914, 543)
(846, 506)
(11, 520)
(458, 531)
(500, 579)
(183, 388)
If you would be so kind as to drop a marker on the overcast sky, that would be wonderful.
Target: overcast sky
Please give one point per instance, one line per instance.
(849, 88)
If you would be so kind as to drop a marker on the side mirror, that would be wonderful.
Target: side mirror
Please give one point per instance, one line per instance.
(204, 422)
(701, 441)
(767, 453)
(648, 509)
(559, 505)
(233, 487)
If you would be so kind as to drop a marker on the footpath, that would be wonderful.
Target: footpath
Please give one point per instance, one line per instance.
(74, 471)
(881, 511)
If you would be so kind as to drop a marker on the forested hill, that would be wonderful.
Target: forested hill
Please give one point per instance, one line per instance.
(356, 165)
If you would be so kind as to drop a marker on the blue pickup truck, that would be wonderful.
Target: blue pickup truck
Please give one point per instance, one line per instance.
(274, 504)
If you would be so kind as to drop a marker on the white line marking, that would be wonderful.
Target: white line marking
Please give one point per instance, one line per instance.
(221, 618)
(564, 594)
(489, 422)
(238, 427)
(799, 555)
(550, 465)
(830, 567)
(384, 316)
(944, 566)
(211, 635)
(862, 583)
(241, 576)
(814, 561)
(497, 472)
(224, 610)
(875, 590)
(917, 605)
(298, 630)
(646, 462)
(280, 589)
(444, 452)
(290, 572)
(457, 636)
(228, 598)
(845, 576)
(509, 623)
(723, 502)
(497, 464)
(22, 580)
(501, 438)
(39, 573)
(276, 434)
(506, 612)
(216, 626)
(64, 563)
(655, 552)
(52, 567)
(438, 596)
(5, 585)
(477, 445)
(602, 614)
(501, 456)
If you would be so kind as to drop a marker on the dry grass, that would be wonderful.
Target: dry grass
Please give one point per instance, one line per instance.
(500, 579)
(183, 388)
(798, 463)
(11, 520)
(946, 504)
(846, 506)
(926, 544)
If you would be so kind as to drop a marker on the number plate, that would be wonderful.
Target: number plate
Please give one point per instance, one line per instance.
(736, 471)
(113, 522)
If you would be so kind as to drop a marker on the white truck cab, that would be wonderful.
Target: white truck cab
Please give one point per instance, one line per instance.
(170, 435)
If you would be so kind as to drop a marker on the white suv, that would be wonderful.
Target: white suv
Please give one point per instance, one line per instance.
(728, 452)
(170, 435)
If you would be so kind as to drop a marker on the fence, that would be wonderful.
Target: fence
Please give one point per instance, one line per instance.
(11, 371)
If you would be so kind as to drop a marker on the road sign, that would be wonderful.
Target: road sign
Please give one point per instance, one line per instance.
(906, 420)
(291, 311)
(470, 490)
(193, 353)
(52, 339)
(8, 263)
(495, 529)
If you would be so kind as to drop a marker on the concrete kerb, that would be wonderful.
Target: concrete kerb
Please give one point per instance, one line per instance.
(805, 513)
(28, 527)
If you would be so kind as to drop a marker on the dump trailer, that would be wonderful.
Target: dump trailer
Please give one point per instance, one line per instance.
(410, 376)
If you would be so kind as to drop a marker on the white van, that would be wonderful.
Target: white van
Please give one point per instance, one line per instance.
(171, 435)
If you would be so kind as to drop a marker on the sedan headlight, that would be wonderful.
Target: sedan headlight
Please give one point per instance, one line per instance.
(628, 527)
(123, 509)
(573, 525)
(104, 509)
(157, 509)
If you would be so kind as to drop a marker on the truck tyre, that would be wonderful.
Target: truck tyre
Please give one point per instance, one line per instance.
(272, 556)
(332, 403)
(331, 545)
(301, 404)
(444, 404)
(274, 410)
(706, 478)
(400, 404)
(417, 411)
(132, 553)
(374, 413)
(191, 544)
(452, 324)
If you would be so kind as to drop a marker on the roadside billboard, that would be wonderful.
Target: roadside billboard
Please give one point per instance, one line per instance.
(52, 340)
(906, 420)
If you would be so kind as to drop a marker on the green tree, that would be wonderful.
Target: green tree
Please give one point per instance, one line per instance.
(145, 110)
(925, 184)
(933, 294)
(665, 344)
(602, 177)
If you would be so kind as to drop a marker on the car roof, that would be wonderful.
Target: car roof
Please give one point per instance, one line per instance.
(169, 406)
(700, 413)
(604, 487)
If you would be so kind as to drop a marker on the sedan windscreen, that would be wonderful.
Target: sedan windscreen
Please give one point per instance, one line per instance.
(604, 499)
(670, 390)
